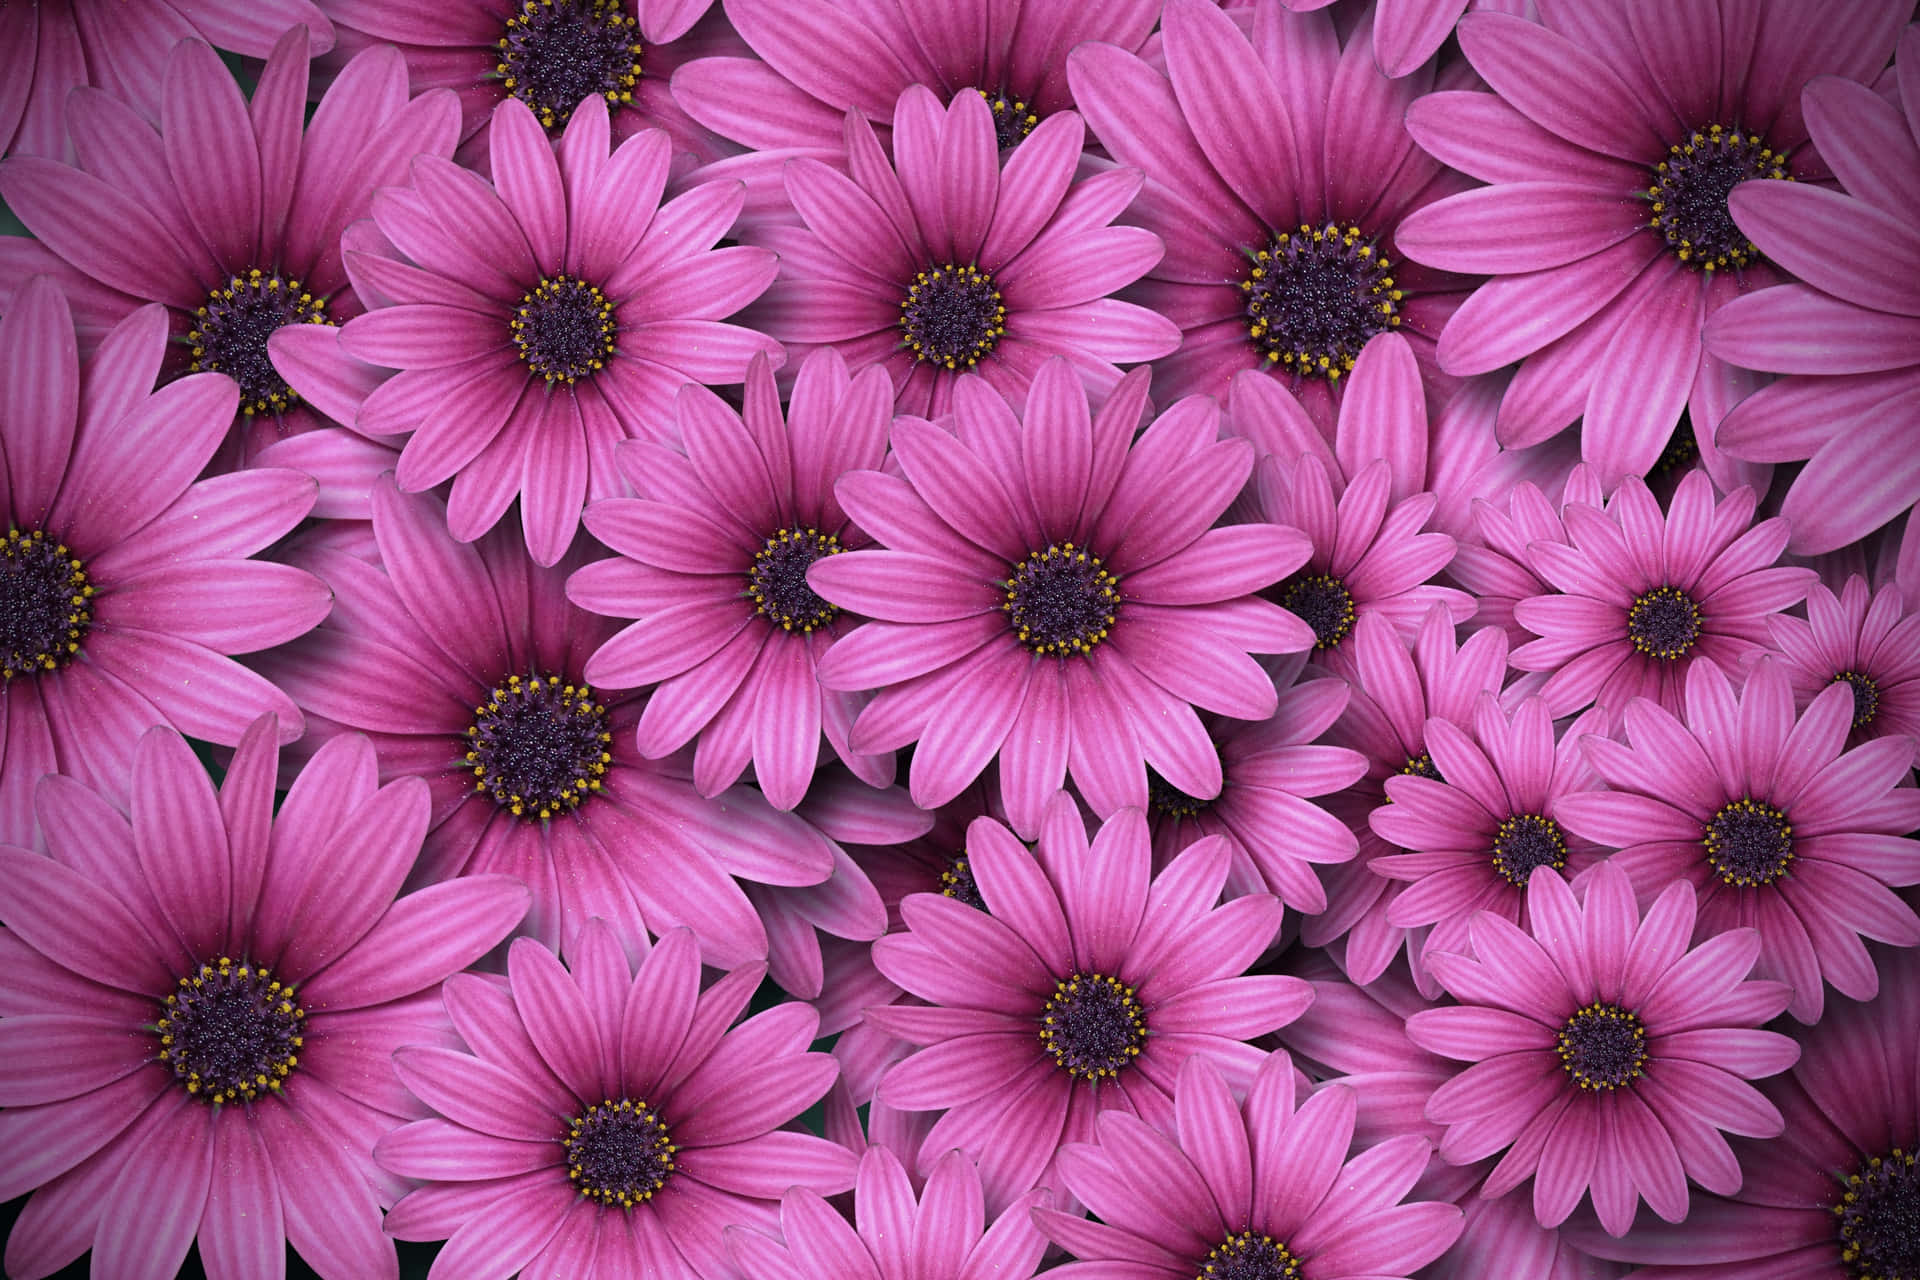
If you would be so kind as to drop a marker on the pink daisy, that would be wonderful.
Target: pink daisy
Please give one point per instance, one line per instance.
(49, 49)
(463, 664)
(539, 320)
(1870, 643)
(1644, 596)
(200, 1007)
(550, 54)
(1609, 144)
(1397, 691)
(942, 260)
(1067, 996)
(1052, 592)
(712, 560)
(1834, 1196)
(1480, 824)
(1278, 172)
(1770, 817)
(231, 214)
(896, 1235)
(1259, 1188)
(1849, 337)
(1604, 1052)
(606, 1122)
(125, 585)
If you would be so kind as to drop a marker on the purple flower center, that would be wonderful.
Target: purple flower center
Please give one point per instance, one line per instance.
(1525, 842)
(1664, 623)
(230, 333)
(1323, 602)
(1420, 766)
(777, 579)
(231, 1032)
(957, 882)
(564, 328)
(44, 609)
(1879, 1213)
(1315, 296)
(1690, 189)
(539, 746)
(1749, 843)
(557, 52)
(619, 1153)
(952, 316)
(1092, 1025)
(1170, 801)
(1866, 696)
(1012, 118)
(1603, 1046)
(1061, 600)
(1249, 1257)
(1681, 451)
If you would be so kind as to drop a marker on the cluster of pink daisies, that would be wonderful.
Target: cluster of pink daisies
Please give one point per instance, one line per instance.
(958, 639)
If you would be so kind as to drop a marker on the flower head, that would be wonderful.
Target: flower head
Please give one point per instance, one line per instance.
(1868, 642)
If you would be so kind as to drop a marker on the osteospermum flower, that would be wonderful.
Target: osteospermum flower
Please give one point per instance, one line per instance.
(1480, 821)
(895, 1235)
(1847, 337)
(713, 560)
(938, 262)
(1605, 223)
(1605, 1053)
(1067, 995)
(1771, 819)
(1837, 1195)
(232, 213)
(1052, 592)
(1644, 597)
(125, 585)
(1868, 642)
(606, 1122)
(540, 319)
(200, 1004)
(1259, 1188)
(464, 664)
(1278, 198)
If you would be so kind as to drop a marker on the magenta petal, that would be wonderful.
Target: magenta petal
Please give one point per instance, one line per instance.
(166, 1189)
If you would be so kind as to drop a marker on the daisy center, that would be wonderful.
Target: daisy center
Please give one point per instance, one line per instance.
(1690, 189)
(1866, 696)
(1061, 600)
(1603, 1046)
(777, 580)
(619, 1153)
(1525, 842)
(231, 1032)
(1012, 118)
(564, 328)
(952, 316)
(1323, 602)
(1664, 623)
(1248, 1256)
(957, 882)
(45, 607)
(539, 746)
(1749, 843)
(1420, 766)
(230, 333)
(1315, 296)
(1092, 1025)
(1170, 801)
(1681, 451)
(1879, 1213)
(557, 52)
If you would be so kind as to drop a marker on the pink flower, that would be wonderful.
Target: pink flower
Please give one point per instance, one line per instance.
(1869, 643)
(1495, 568)
(1771, 819)
(1610, 143)
(1605, 1054)
(603, 1120)
(200, 1007)
(124, 584)
(1849, 337)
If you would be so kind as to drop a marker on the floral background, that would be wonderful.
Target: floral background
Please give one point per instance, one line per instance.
(954, 640)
